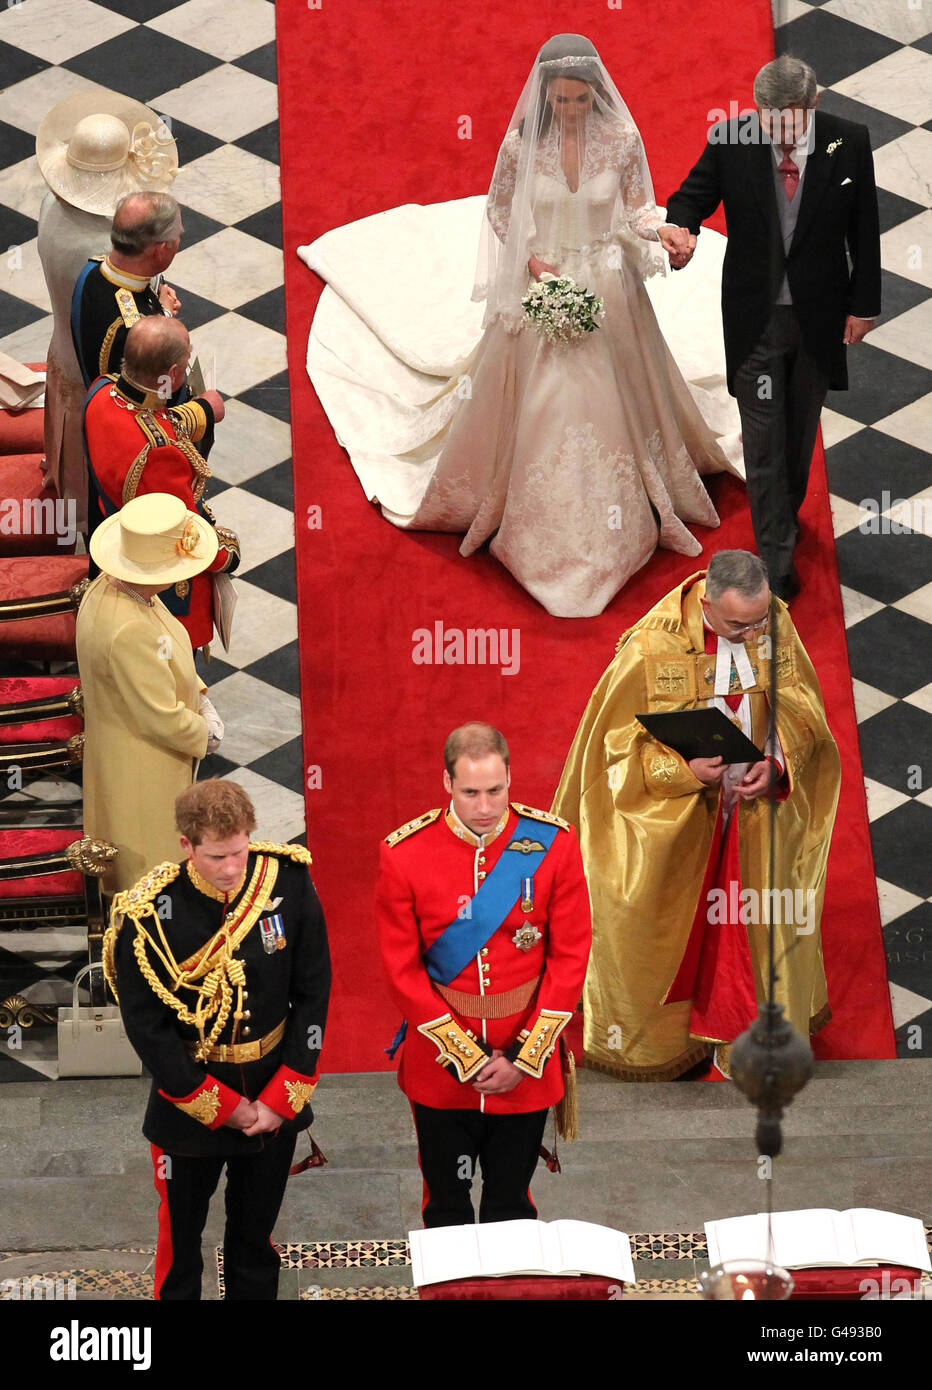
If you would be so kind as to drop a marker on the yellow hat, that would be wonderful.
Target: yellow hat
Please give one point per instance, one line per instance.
(154, 539)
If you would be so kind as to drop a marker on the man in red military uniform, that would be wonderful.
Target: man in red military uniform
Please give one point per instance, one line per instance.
(137, 443)
(484, 926)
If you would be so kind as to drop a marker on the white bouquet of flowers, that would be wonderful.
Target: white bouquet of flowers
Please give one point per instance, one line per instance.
(561, 309)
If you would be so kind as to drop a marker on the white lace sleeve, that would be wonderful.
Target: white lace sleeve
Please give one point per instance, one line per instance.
(640, 212)
(501, 194)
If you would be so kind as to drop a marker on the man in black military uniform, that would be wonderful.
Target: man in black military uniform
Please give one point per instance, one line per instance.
(115, 291)
(222, 972)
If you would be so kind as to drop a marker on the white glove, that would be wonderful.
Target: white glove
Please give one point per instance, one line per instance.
(214, 724)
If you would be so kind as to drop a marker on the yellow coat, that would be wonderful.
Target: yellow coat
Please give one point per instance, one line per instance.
(143, 732)
(646, 824)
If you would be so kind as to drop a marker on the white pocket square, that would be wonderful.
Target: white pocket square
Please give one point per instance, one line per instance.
(844, 181)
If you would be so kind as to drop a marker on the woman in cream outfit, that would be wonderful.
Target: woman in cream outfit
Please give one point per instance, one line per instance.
(147, 722)
(93, 148)
(575, 461)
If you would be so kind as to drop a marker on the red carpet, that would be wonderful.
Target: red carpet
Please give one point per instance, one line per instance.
(370, 101)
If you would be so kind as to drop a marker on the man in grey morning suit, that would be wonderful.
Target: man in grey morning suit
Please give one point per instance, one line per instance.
(799, 203)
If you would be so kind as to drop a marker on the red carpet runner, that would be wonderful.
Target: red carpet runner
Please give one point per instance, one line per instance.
(371, 98)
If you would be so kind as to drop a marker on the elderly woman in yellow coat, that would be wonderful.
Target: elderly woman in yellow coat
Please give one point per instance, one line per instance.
(147, 721)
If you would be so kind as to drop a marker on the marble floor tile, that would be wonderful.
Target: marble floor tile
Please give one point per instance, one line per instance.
(279, 812)
(264, 529)
(22, 187)
(881, 799)
(246, 353)
(21, 274)
(922, 699)
(899, 84)
(905, 165)
(908, 335)
(912, 424)
(228, 184)
(857, 606)
(226, 102)
(913, 514)
(258, 717)
(248, 442)
(58, 29)
(906, 1005)
(868, 700)
(894, 902)
(919, 604)
(837, 427)
(845, 515)
(904, 22)
(262, 624)
(29, 344)
(906, 249)
(784, 11)
(226, 28)
(229, 268)
(25, 104)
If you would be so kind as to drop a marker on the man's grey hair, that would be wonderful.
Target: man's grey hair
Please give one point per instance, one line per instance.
(142, 219)
(735, 569)
(783, 83)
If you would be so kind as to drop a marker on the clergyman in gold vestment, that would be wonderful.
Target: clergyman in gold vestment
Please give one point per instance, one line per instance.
(657, 832)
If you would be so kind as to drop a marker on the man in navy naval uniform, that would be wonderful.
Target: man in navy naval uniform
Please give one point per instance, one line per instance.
(222, 971)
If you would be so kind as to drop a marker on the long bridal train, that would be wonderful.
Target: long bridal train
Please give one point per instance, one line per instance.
(577, 460)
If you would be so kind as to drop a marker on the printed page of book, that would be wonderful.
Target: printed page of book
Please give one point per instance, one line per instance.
(585, 1248)
(887, 1237)
(738, 1238)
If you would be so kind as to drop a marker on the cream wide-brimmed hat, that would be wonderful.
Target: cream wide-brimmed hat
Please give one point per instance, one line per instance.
(96, 146)
(154, 539)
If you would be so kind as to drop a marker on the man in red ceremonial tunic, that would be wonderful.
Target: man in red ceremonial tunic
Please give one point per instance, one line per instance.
(480, 1061)
(137, 443)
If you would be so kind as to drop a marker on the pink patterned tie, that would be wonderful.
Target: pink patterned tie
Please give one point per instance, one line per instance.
(790, 174)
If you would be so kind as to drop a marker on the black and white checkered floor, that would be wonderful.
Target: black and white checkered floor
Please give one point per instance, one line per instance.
(208, 66)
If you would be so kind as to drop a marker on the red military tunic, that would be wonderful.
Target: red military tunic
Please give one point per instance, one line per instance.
(428, 871)
(136, 443)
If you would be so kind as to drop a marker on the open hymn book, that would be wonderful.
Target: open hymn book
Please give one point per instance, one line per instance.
(820, 1238)
(498, 1248)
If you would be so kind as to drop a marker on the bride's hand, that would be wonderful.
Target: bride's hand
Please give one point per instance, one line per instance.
(537, 267)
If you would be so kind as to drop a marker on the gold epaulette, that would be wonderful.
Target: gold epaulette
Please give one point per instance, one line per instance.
(127, 306)
(298, 853)
(409, 828)
(131, 902)
(533, 814)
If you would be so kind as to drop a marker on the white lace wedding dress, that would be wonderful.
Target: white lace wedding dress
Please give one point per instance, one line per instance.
(576, 461)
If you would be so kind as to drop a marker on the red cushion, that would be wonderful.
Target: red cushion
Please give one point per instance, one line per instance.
(526, 1286)
(27, 529)
(39, 639)
(18, 688)
(14, 843)
(854, 1283)
(23, 431)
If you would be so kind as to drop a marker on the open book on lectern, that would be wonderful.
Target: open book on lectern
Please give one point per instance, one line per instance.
(821, 1238)
(495, 1249)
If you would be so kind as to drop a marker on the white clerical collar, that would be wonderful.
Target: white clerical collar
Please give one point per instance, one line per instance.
(727, 653)
(463, 832)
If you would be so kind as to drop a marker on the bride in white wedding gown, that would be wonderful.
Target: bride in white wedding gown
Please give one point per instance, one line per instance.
(577, 460)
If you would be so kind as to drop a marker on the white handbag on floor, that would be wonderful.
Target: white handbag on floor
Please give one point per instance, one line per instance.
(91, 1038)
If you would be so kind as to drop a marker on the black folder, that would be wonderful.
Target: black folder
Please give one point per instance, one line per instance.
(702, 733)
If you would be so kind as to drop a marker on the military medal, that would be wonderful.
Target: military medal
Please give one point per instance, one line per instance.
(526, 937)
(527, 895)
(272, 930)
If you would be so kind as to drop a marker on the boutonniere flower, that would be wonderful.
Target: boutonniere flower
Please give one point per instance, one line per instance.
(830, 149)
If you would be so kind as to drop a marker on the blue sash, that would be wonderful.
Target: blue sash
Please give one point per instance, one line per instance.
(485, 912)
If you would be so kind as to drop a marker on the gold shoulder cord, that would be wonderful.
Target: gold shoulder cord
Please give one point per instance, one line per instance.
(213, 964)
(298, 853)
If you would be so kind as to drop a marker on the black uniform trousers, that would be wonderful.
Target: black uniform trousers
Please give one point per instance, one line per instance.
(450, 1145)
(254, 1191)
(780, 392)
